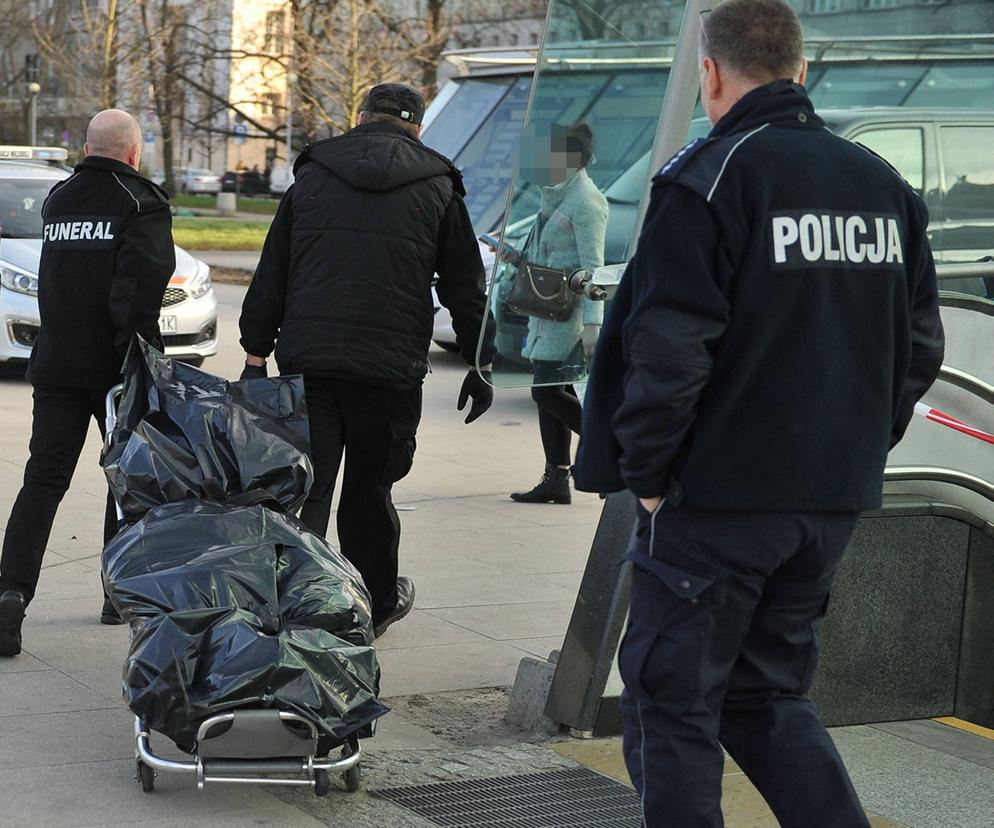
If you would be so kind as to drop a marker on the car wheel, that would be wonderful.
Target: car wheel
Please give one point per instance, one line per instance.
(193, 362)
(451, 347)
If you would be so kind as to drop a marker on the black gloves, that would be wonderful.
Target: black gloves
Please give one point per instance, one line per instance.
(482, 393)
(254, 372)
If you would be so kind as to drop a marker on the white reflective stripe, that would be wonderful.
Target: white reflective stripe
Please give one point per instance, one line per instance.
(638, 711)
(137, 202)
(652, 525)
(730, 153)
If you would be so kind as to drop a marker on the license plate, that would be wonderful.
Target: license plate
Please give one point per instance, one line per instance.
(167, 324)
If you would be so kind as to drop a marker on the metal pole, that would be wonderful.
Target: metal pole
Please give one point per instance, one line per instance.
(33, 90)
(289, 117)
(679, 101)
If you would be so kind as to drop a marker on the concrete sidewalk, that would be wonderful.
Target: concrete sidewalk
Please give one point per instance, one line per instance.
(496, 582)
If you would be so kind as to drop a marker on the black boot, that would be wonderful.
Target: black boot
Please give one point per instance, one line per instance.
(552, 488)
(109, 615)
(11, 616)
(405, 603)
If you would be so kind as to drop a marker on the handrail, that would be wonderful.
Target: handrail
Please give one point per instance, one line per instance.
(967, 382)
(965, 270)
(936, 474)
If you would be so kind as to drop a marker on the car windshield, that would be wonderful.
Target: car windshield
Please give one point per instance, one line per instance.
(20, 206)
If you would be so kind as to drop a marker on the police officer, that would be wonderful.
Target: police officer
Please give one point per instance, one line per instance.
(107, 257)
(765, 350)
(343, 292)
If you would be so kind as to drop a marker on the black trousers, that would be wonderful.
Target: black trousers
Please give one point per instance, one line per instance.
(60, 422)
(375, 429)
(559, 413)
(721, 650)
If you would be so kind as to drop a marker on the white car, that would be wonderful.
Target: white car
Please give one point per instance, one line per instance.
(192, 181)
(189, 308)
(197, 181)
(442, 332)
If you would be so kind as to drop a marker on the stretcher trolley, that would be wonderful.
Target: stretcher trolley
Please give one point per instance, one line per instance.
(250, 745)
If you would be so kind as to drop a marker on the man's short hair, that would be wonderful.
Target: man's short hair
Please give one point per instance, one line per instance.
(760, 40)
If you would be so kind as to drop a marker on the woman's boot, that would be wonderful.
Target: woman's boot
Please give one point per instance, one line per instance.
(552, 488)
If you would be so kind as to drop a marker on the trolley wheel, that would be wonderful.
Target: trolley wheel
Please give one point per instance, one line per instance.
(322, 783)
(353, 778)
(146, 776)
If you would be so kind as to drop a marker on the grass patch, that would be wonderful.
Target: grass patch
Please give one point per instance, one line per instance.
(219, 234)
(259, 206)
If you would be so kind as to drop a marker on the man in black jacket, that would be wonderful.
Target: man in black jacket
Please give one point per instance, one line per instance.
(107, 256)
(343, 292)
(765, 350)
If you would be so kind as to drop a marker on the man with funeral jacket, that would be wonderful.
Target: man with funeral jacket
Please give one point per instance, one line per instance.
(765, 350)
(343, 294)
(107, 256)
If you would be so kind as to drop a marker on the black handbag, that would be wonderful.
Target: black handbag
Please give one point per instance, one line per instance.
(541, 291)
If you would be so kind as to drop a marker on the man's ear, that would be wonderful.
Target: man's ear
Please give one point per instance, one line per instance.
(803, 74)
(711, 80)
(86, 150)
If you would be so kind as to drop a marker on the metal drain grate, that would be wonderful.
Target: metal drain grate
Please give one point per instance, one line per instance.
(557, 799)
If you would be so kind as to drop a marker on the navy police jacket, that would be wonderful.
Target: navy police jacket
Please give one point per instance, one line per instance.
(775, 327)
(106, 258)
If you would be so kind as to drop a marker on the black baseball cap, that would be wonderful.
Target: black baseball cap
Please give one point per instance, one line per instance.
(396, 99)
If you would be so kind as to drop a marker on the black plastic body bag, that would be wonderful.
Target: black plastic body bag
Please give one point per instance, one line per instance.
(231, 600)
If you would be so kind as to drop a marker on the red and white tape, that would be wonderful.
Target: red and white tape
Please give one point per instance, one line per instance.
(936, 416)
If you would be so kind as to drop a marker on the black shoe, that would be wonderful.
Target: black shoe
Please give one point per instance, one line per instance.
(552, 488)
(109, 615)
(11, 616)
(405, 603)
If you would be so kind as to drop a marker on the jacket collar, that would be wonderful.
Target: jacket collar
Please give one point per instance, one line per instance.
(100, 162)
(776, 102)
(119, 168)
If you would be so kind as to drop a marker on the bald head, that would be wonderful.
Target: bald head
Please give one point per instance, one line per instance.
(114, 133)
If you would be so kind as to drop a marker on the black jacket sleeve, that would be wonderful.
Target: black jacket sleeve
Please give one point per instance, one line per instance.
(927, 336)
(265, 300)
(679, 313)
(146, 260)
(461, 281)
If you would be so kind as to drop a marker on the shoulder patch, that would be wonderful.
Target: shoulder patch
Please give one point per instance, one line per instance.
(671, 169)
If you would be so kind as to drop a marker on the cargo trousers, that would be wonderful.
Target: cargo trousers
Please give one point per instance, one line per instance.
(374, 428)
(720, 651)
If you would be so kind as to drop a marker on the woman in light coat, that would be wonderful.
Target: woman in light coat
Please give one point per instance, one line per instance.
(569, 235)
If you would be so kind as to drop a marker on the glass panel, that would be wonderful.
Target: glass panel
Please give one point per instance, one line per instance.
(581, 170)
(967, 206)
(20, 206)
(455, 124)
(866, 85)
(487, 160)
(970, 85)
(903, 148)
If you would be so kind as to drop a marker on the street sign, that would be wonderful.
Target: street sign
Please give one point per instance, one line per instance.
(149, 136)
(241, 133)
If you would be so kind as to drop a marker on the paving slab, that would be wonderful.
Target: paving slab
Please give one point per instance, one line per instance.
(105, 792)
(917, 786)
(947, 739)
(448, 667)
(72, 640)
(44, 691)
(422, 628)
(532, 620)
(488, 590)
(56, 739)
